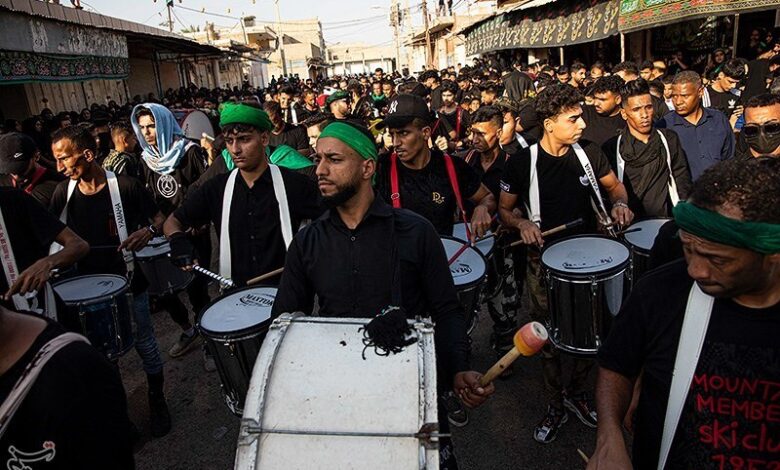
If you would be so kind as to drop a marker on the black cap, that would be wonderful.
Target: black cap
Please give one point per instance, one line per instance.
(16, 151)
(403, 109)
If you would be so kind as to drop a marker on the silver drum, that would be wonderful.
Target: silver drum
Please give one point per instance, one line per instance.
(641, 242)
(587, 279)
(469, 273)
(155, 263)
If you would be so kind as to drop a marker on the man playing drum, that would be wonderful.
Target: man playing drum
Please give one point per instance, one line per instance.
(265, 208)
(113, 214)
(363, 256)
(556, 180)
(704, 332)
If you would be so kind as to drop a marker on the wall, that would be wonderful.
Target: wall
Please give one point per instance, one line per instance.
(14, 103)
(169, 75)
(141, 80)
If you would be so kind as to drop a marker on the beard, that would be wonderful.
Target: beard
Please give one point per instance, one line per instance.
(344, 194)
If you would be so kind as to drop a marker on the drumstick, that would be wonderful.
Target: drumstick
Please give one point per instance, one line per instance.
(265, 276)
(554, 230)
(222, 280)
(629, 230)
(207, 137)
(584, 457)
(528, 341)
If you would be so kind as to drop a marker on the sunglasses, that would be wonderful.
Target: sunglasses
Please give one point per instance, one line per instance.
(752, 130)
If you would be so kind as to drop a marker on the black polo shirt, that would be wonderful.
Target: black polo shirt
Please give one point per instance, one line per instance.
(294, 136)
(351, 273)
(256, 242)
(428, 191)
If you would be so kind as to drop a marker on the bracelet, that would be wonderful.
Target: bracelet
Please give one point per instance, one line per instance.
(620, 204)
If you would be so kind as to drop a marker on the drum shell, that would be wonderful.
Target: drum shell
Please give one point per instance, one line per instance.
(163, 277)
(640, 255)
(470, 293)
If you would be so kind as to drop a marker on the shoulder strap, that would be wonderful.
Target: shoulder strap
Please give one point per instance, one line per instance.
(453, 176)
(284, 208)
(694, 330)
(521, 140)
(294, 115)
(25, 383)
(225, 260)
(583, 158)
(10, 268)
(56, 247)
(673, 194)
(39, 172)
(706, 99)
(621, 164)
(119, 217)
(457, 122)
(395, 191)
(534, 210)
(435, 126)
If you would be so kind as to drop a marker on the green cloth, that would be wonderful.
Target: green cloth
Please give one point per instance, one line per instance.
(335, 96)
(287, 157)
(240, 113)
(229, 163)
(761, 237)
(358, 141)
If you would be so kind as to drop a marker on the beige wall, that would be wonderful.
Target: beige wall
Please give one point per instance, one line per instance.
(22, 101)
(141, 77)
(169, 76)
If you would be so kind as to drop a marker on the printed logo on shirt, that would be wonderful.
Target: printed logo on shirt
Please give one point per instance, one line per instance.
(504, 186)
(167, 186)
(584, 180)
(19, 459)
(437, 198)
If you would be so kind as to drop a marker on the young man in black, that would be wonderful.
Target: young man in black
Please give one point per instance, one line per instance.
(85, 202)
(172, 164)
(704, 332)
(453, 117)
(257, 237)
(520, 128)
(603, 118)
(432, 81)
(650, 162)
(722, 94)
(565, 193)
(377, 241)
(19, 168)
(285, 133)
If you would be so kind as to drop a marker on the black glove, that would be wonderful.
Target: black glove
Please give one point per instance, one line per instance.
(183, 252)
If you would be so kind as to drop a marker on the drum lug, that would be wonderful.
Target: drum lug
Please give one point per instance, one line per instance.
(429, 435)
(284, 320)
(594, 286)
(249, 432)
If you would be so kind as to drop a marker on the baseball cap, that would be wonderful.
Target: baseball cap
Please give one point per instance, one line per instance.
(16, 151)
(335, 96)
(403, 109)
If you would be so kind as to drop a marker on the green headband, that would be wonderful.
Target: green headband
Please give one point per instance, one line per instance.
(356, 140)
(288, 157)
(243, 114)
(761, 237)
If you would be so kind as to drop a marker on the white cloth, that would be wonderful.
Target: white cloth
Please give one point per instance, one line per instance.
(521, 140)
(672, 184)
(10, 268)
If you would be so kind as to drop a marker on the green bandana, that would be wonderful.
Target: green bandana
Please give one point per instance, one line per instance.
(287, 157)
(229, 163)
(356, 140)
(761, 237)
(243, 114)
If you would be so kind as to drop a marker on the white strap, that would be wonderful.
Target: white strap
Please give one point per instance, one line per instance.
(55, 247)
(706, 100)
(294, 115)
(583, 158)
(520, 140)
(119, 217)
(534, 211)
(10, 268)
(694, 330)
(284, 208)
(621, 165)
(25, 383)
(225, 261)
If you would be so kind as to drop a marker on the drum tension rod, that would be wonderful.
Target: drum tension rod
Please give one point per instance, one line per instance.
(427, 433)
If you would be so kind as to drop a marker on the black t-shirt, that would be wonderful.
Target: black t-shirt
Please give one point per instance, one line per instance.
(170, 190)
(450, 123)
(294, 136)
(724, 102)
(76, 412)
(436, 101)
(732, 412)
(31, 229)
(428, 191)
(41, 190)
(92, 218)
(600, 128)
(257, 245)
(564, 189)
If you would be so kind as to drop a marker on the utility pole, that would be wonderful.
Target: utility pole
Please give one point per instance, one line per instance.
(427, 35)
(395, 19)
(281, 38)
(170, 15)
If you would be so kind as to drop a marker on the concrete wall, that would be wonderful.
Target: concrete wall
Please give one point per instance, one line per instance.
(169, 75)
(14, 103)
(142, 79)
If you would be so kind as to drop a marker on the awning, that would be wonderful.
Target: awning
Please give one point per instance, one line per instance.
(646, 14)
(569, 23)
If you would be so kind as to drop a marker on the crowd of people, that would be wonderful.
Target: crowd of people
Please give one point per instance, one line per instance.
(382, 166)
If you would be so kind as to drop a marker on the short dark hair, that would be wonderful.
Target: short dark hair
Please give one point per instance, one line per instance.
(627, 67)
(287, 90)
(122, 127)
(555, 99)
(143, 111)
(80, 137)
(763, 100)
(578, 66)
(656, 85)
(319, 120)
(434, 74)
(734, 68)
(638, 87)
(562, 70)
(751, 185)
(488, 114)
(648, 64)
(612, 83)
(449, 85)
(687, 76)
(272, 108)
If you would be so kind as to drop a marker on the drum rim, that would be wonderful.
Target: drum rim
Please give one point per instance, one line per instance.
(476, 282)
(637, 248)
(238, 334)
(602, 272)
(489, 254)
(92, 300)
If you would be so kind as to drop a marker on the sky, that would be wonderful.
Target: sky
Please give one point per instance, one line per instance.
(343, 21)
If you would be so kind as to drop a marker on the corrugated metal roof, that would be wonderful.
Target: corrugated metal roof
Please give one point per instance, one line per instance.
(531, 4)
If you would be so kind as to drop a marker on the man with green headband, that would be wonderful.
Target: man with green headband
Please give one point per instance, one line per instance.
(704, 331)
(363, 256)
(256, 207)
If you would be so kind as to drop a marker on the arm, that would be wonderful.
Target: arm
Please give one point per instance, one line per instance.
(486, 205)
(613, 396)
(529, 231)
(621, 214)
(727, 151)
(296, 291)
(680, 171)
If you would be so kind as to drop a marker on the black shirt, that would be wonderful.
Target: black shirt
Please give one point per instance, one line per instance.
(491, 177)
(31, 229)
(564, 189)
(725, 102)
(436, 101)
(600, 128)
(256, 242)
(41, 190)
(294, 136)
(170, 190)
(77, 404)
(514, 147)
(450, 123)
(428, 191)
(358, 282)
(731, 411)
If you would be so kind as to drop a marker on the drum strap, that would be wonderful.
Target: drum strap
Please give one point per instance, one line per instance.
(395, 190)
(25, 383)
(225, 260)
(694, 330)
(10, 267)
(39, 172)
(521, 140)
(621, 165)
(457, 122)
(294, 115)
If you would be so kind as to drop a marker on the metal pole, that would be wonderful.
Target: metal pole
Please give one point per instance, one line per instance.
(394, 21)
(736, 35)
(560, 54)
(170, 17)
(281, 38)
(622, 47)
(428, 61)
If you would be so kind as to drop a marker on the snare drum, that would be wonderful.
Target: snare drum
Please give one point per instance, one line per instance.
(587, 278)
(234, 327)
(99, 307)
(494, 256)
(315, 403)
(469, 272)
(641, 243)
(164, 278)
